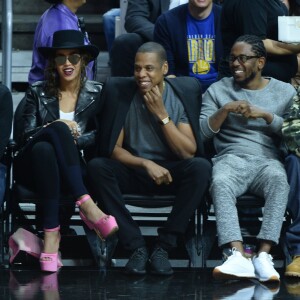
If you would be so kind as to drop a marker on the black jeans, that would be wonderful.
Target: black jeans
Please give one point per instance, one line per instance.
(110, 179)
(123, 52)
(50, 164)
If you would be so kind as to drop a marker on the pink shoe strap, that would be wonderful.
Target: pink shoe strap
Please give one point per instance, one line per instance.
(52, 229)
(51, 256)
(83, 199)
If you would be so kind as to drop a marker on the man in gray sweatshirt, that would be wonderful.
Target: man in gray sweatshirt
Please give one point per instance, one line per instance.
(243, 115)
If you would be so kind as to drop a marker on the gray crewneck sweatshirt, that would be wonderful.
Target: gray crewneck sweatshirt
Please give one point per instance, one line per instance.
(239, 135)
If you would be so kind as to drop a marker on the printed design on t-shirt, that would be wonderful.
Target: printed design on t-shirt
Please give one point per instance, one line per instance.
(201, 52)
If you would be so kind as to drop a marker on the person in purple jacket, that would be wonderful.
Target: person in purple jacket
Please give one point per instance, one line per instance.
(60, 16)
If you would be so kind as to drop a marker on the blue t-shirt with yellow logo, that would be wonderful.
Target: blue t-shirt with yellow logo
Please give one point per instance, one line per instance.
(201, 48)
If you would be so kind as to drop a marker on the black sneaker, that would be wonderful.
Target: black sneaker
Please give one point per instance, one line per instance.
(137, 262)
(159, 262)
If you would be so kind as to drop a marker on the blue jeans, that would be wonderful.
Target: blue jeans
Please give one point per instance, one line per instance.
(292, 165)
(109, 26)
(2, 182)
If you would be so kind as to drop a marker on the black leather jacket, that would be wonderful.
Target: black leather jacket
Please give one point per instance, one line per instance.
(41, 109)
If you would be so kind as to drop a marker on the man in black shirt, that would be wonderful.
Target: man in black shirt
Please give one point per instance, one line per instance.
(258, 18)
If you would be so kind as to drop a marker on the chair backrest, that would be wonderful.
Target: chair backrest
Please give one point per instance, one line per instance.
(149, 201)
(149, 208)
(151, 211)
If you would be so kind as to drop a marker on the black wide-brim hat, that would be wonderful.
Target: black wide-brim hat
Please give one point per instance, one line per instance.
(53, 1)
(69, 39)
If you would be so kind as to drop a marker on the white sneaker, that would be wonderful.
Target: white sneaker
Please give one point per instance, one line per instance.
(265, 293)
(264, 267)
(235, 267)
(244, 294)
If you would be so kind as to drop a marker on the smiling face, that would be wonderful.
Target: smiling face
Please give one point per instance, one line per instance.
(200, 3)
(68, 71)
(248, 72)
(149, 71)
(73, 5)
(197, 7)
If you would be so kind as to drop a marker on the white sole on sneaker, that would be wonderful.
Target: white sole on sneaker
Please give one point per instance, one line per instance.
(217, 274)
(270, 279)
(292, 274)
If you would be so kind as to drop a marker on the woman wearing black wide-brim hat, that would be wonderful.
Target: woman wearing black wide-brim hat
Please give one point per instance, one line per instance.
(59, 135)
(59, 16)
(67, 39)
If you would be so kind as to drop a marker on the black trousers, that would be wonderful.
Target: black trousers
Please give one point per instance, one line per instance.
(50, 164)
(122, 54)
(110, 179)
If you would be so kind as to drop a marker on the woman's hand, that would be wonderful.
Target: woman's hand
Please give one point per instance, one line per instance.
(73, 126)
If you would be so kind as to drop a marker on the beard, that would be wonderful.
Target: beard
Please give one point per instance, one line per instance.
(248, 79)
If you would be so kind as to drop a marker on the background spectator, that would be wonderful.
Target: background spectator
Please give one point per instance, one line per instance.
(259, 18)
(294, 8)
(191, 35)
(109, 22)
(61, 15)
(139, 24)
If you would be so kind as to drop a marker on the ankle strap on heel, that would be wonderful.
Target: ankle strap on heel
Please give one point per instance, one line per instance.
(83, 199)
(52, 229)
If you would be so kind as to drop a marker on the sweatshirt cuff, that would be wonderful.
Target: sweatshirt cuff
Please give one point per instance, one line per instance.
(276, 124)
(206, 129)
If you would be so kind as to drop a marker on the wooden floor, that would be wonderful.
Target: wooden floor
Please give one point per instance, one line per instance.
(89, 284)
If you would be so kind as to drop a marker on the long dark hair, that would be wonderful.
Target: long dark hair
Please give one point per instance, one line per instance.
(51, 83)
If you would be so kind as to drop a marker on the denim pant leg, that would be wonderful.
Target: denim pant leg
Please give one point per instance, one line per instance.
(109, 19)
(292, 165)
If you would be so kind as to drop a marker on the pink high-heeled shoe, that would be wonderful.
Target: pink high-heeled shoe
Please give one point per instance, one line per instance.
(50, 262)
(104, 227)
(49, 282)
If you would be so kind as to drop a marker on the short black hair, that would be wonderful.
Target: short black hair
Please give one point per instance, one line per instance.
(257, 44)
(152, 47)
